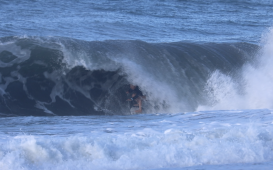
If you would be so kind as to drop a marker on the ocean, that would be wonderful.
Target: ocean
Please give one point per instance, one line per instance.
(205, 68)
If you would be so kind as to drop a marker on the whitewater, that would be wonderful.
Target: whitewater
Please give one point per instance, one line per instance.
(204, 67)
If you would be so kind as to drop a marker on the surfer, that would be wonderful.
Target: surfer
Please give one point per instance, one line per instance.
(136, 91)
(135, 98)
(137, 104)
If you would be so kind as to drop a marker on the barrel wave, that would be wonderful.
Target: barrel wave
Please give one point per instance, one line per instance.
(62, 76)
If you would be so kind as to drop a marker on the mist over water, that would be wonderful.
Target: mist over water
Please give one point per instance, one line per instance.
(254, 88)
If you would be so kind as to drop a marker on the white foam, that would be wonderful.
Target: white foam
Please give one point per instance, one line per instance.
(149, 143)
(145, 150)
(255, 93)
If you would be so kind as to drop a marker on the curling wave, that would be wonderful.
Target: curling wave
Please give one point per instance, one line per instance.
(63, 76)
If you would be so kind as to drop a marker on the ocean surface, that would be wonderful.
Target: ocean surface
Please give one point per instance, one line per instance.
(205, 67)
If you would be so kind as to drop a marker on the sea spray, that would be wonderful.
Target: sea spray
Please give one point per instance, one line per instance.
(254, 88)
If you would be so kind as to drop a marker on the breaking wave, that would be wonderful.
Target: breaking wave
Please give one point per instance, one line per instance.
(62, 76)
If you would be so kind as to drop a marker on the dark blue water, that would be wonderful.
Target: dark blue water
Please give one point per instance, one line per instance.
(152, 21)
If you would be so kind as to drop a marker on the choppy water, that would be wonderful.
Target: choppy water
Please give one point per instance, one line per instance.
(205, 67)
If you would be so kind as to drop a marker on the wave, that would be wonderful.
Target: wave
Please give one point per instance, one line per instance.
(63, 76)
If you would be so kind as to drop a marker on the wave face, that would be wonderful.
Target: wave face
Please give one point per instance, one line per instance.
(62, 76)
